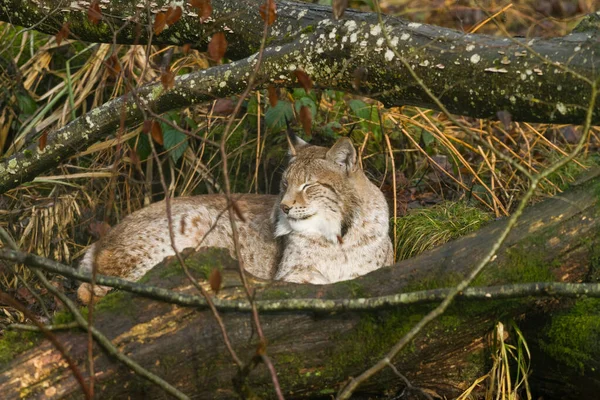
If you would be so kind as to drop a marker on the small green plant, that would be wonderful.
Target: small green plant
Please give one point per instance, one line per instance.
(424, 229)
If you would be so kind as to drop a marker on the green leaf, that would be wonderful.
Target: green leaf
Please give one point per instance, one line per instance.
(368, 115)
(142, 148)
(275, 116)
(174, 141)
(427, 138)
(26, 104)
(306, 101)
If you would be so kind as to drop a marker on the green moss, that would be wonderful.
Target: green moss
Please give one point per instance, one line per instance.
(346, 289)
(13, 343)
(564, 176)
(522, 264)
(27, 153)
(62, 317)
(275, 294)
(430, 282)
(573, 337)
(426, 228)
(308, 29)
(114, 301)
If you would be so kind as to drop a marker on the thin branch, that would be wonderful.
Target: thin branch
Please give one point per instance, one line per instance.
(491, 293)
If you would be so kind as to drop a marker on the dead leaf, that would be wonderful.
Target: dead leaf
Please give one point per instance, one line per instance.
(25, 294)
(215, 280)
(306, 119)
(157, 133)
(173, 15)
(268, 12)
(186, 48)
(217, 46)
(160, 22)
(98, 229)
(42, 140)
(94, 13)
(167, 78)
(273, 96)
(223, 107)
(113, 66)
(303, 79)
(63, 33)
(339, 7)
(204, 8)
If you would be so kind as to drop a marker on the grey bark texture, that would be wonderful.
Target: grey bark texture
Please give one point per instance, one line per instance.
(314, 352)
(543, 80)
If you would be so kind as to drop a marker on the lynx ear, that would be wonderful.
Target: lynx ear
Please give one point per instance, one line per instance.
(343, 153)
(294, 141)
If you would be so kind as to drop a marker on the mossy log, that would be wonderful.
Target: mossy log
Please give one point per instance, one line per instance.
(394, 61)
(315, 352)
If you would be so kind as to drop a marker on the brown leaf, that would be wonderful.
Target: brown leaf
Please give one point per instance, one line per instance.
(113, 66)
(160, 22)
(186, 48)
(173, 15)
(204, 8)
(25, 294)
(167, 78)
(268, 12)
(157, 133)
(238, 211)
(358, 76)
(223, 107)
(94, 13)
(217, 46)
(303, 79)
(63, 33)
(215, 280)
(273, 96)
(98, 229)
(339, 6)
(42, 140)
(306, 119)
(147, 126)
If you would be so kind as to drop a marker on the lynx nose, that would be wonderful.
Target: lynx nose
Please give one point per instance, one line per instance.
(284, 208)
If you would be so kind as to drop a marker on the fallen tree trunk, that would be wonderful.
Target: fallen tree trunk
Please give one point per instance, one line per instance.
(315, 352)
(537, 80)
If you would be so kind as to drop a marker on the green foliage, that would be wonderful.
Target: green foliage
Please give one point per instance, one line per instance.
(426, 228)
(369, 116)
(275, 116)
(175, 142)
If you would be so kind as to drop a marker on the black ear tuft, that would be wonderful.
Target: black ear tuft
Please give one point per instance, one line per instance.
(343, 153)
(294, 141)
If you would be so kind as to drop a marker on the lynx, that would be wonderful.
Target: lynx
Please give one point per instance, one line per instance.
(329, 223)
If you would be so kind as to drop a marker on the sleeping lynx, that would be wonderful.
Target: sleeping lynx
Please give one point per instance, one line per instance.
(332, 220)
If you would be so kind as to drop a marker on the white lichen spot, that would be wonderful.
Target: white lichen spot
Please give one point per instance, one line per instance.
(227, 74)
(404, 36)
(277, 48)
(577, 48)
(424, 63)
(364, 43)
(389, 55)
(375, 30)
(350, 25)
(292, 67)
(414, 25)
(12, 166)
(440, 66)
(497, 70)
(561, 108)
(475, 58)
(470, 47)
(89, 121)
(222, 84)
(513, 99)
(528, 71)
(302, 13)
(523, 77)
(380, 41)
(353, 38)
(505, 60)
(559, 88)
(394, 41)
(538, 71)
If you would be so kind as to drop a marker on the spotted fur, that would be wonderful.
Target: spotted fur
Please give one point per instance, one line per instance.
(329, 223)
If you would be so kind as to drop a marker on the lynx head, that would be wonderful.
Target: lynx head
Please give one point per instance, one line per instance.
(318, 195)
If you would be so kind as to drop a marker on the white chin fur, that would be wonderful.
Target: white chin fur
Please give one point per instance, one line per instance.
(329, 228)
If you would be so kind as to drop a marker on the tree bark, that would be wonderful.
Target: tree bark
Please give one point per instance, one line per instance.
(544, 80)
(314, 352)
